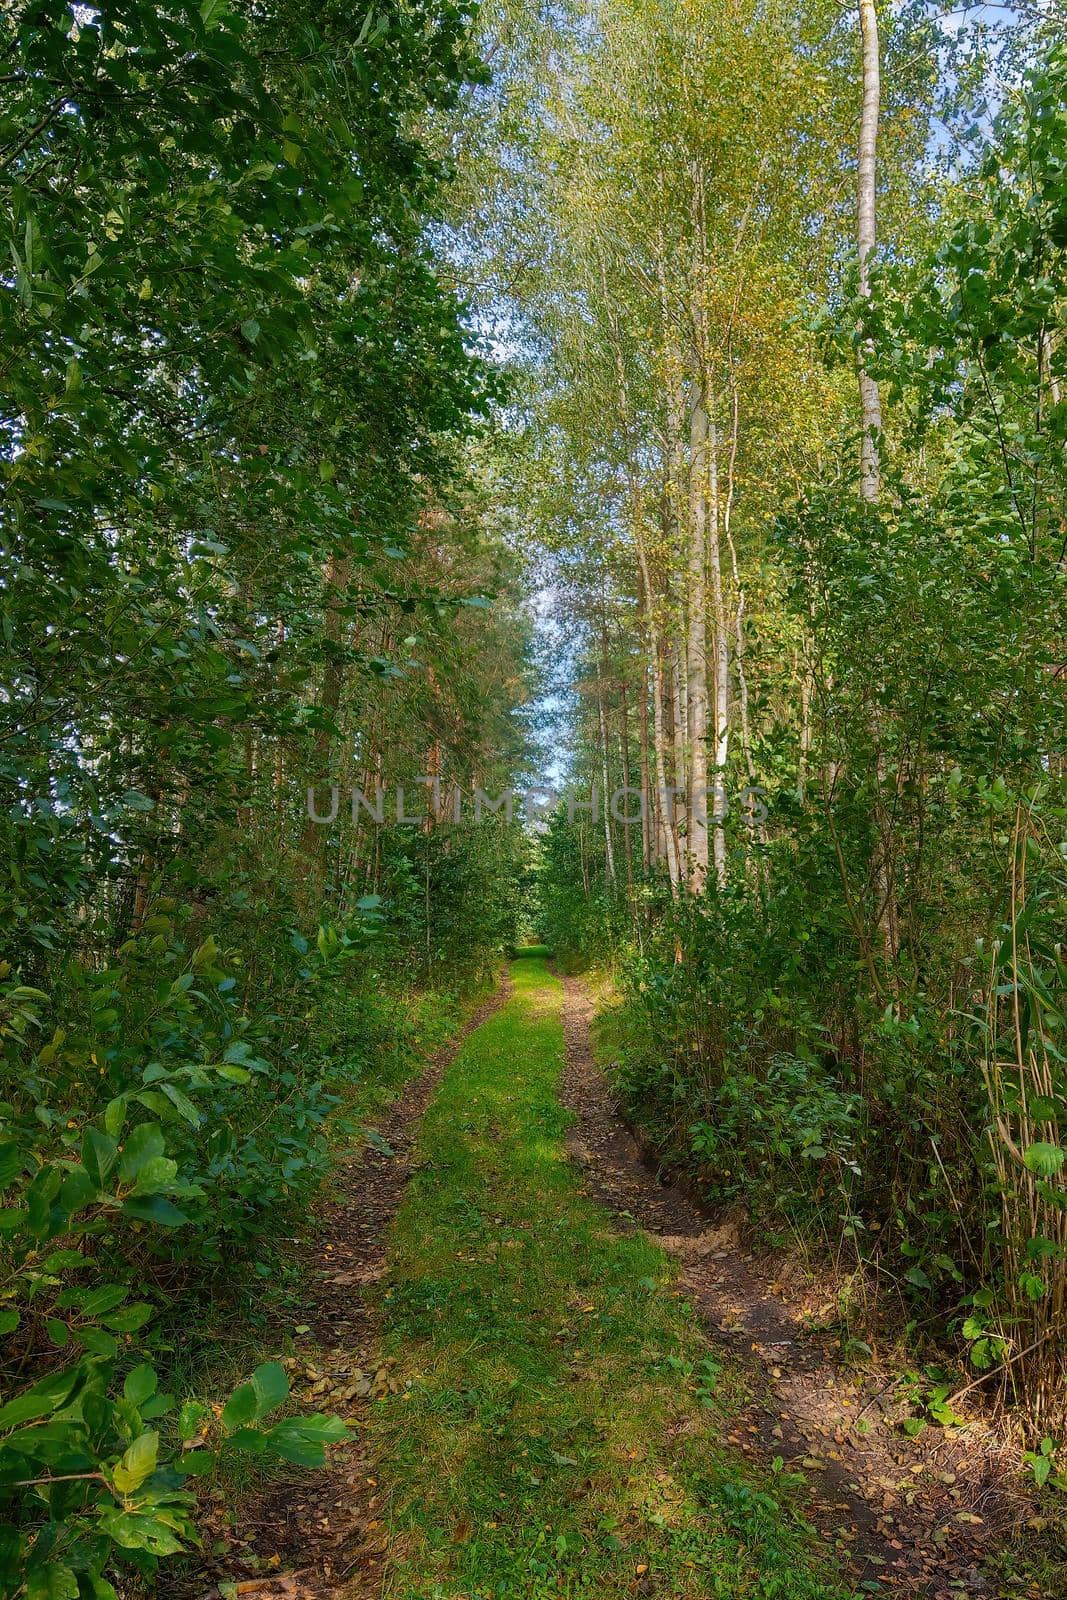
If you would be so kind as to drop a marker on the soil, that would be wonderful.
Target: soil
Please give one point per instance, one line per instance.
(312, 1536)
(911, 1517)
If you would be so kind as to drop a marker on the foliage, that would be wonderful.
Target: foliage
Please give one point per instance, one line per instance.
(156, 1140)
(244, 549)
(855, 1031)
(100, 1483)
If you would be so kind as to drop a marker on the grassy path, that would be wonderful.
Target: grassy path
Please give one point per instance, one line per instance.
(559, 1430)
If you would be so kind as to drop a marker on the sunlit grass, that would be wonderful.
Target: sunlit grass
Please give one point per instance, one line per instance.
(551, 1439)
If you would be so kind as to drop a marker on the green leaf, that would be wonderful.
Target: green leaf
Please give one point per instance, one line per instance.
(271, 1386)
(1044, 1160)
(157, 1175)
(58, 1389)
(250, 1441)
(115, 1115)
(63, 1261)
(191, 1418)
(303, 1440)
(99, 1154)
(234, 1074)
(154, 1208)
(99, 1343)
(10, 1163)
(53, 1581)
(130, 1318)
(240, 1408)
(140, 1531)
(182, 1104)
(133, 800)
(144, 1142)
(137, 1464)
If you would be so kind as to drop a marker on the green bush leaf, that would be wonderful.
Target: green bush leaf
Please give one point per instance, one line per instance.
(154, 1208)
(137, 1464)
(58, 1389)
(240, 1408)
(1044, 1160)
(303, 1440)
(11, 1163)
(145, 1142)
(191, 1418)
(53, 1581)
(271, 1386)
(99, 1154)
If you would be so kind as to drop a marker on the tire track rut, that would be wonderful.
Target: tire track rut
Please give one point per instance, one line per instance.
(911, 1517)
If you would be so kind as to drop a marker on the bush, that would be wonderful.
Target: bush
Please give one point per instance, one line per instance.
(160, 1137)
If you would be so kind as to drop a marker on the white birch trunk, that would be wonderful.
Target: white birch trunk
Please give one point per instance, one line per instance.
(866, 237)
(697, 679)
(721, 740)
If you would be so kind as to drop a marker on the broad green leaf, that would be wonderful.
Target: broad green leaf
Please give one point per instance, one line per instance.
(154, 1208)
(303, 1440)
(139, 1384)
(143, 1143)
(271, 1386)
(99, 1154)
(53, 1581)
(1044, 1160)
(42, 1398)
(240, 1408)
(137, 1464)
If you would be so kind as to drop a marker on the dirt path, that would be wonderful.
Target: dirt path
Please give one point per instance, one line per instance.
(912, 1516)
(318, 1535)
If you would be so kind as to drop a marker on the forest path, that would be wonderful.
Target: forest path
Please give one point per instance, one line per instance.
(537, 1409)
(320, 1535)
(552, 1424)
(912, 1517)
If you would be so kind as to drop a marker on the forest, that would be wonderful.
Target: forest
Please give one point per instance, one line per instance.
(533, 800)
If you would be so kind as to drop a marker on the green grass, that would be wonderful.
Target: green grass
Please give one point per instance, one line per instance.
(560, 1433)
(417, 1025)
(257, 1316)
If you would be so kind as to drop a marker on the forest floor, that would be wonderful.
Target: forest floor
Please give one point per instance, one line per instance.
(908, 1516)
(563, 1381)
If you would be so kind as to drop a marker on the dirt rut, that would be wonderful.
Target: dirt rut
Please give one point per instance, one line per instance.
(318, 1536)
(914, 1517)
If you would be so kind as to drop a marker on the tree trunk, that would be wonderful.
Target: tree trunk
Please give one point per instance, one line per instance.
(871, 408)
(646, 809)
(609, 851)
(626, 778)
(697, 679)
(658, 732)
(649, 600)
(674, 679)
(866, 236)
(338, 570)
(721, 748)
